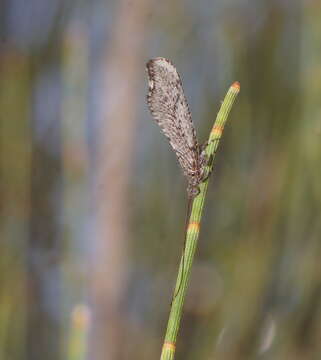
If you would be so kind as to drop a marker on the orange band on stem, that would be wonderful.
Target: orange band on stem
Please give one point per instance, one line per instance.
(236, 85)
(193, 226)
(169, 346)
(217, 130)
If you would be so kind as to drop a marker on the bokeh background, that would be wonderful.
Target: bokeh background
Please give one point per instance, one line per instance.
(93, 201)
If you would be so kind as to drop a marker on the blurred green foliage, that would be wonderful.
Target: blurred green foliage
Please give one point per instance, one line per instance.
(256, 289)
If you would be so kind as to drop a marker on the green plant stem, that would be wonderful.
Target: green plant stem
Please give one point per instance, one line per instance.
(192, 231)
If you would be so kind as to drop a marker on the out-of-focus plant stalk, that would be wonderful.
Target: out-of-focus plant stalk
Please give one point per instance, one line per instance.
(79, 325)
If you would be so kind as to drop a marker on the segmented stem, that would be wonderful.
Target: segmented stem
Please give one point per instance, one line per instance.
(193, 228)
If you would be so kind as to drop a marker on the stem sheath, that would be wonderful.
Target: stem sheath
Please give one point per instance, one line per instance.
(193, 228)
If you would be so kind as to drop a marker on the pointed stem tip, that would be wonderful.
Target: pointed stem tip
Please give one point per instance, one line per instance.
(236, 85)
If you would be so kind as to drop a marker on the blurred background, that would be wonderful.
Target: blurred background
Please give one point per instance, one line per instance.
(93, 201)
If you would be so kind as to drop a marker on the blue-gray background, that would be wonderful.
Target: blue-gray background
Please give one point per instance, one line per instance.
(93, 201)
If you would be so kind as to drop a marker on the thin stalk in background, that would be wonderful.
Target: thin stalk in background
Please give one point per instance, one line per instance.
(78, 332)
(193, 228)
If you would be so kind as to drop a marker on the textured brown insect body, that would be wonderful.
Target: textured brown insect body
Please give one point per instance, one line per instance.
(168, 105)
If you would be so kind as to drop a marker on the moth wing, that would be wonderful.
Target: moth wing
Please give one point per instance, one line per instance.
(169, 107)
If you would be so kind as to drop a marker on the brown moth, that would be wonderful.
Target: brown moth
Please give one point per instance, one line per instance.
(168, 105)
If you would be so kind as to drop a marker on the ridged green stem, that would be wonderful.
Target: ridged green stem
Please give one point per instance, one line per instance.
(168, 351)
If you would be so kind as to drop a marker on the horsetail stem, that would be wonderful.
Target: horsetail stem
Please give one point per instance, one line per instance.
(193, 228)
